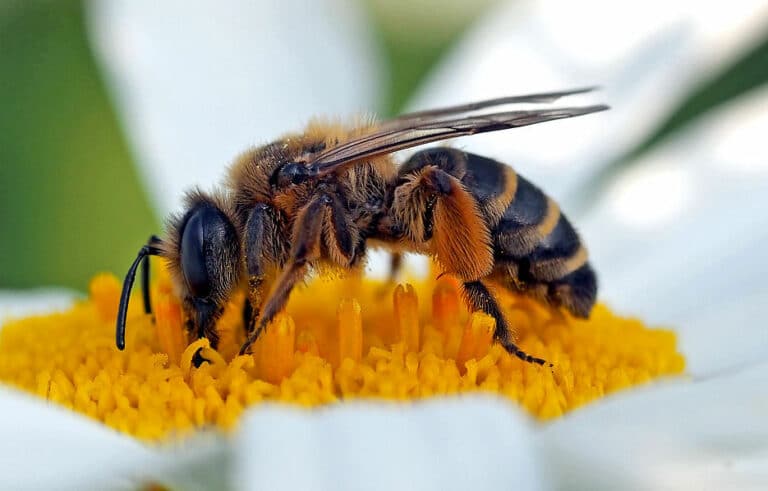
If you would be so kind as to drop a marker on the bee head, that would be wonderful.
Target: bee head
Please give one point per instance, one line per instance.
(203, 254)
(203, 249)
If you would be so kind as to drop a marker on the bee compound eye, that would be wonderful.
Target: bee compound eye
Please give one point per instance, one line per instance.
(193, 256)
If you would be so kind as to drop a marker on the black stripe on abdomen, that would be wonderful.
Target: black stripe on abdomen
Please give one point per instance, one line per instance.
(516, 234)
(576, 291)
(563, 242)
(528, 208)
(485, 178)
(557, 254)
(541, 256)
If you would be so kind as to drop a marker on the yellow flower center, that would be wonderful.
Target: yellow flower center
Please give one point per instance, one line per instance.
(339, 339)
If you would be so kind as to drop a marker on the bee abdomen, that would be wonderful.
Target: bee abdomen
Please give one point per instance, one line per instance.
(538, 251)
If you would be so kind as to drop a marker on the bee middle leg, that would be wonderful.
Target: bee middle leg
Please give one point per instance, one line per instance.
(480, 298)
(395, 266)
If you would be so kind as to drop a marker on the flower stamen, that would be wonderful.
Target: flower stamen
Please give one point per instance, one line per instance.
(335, 342)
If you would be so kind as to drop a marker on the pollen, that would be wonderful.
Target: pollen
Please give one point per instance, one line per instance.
(340, 339)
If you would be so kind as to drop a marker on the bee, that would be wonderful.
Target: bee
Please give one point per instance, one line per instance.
(324, 196)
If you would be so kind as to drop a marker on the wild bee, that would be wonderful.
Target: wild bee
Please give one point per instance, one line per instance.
(322, 197)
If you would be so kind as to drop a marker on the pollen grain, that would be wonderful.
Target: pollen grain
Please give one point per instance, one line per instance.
(340, 339)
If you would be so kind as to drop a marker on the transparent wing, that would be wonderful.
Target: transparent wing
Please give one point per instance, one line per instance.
(416, 129)
(543, 97)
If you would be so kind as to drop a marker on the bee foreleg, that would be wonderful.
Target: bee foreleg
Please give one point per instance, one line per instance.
(249, 316)
(480, 298)
(307, 233)
(262, 245)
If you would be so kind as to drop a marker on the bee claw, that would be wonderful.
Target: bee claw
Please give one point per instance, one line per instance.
(244, 349)
(198, 359)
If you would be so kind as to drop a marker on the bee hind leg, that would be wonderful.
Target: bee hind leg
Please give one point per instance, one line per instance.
(480, 298)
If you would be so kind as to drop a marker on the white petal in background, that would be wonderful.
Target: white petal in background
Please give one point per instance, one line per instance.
(680, 237)
(645, 55)
(17, 304)
(48, 447)
(199, 82)
(707, 435)
(457, 443)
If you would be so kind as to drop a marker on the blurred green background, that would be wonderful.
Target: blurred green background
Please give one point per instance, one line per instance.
(57, 125)
(71, 202)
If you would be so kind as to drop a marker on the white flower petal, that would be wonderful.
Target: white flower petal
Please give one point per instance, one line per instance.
(711, 434)
(17, 304)
(683, 233)
(455, 443)
(199, 82)
(45, 446)
(645, 55)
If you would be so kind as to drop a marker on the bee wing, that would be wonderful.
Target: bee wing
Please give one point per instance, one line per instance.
(542, 97)
(411, 131)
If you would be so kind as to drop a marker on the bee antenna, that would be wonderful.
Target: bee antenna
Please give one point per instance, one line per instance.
(154, 240)
(122, 311)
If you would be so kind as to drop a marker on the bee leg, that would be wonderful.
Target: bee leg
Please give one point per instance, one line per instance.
(307, 233)
(433, 205)
(263, 246)
(249, 316)
(252, 303)
(154, 241)
(480, 298)
(395, 265)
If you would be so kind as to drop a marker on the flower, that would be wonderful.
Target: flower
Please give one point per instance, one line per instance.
(318, 354)
(670, 256)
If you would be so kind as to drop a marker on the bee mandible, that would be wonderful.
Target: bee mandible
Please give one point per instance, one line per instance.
(322, 197)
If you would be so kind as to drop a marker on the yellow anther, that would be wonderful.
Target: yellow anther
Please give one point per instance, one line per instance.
(407, 313)
(343, 349)
(350, 335)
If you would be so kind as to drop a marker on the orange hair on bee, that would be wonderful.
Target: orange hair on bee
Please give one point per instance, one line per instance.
(463, 246)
